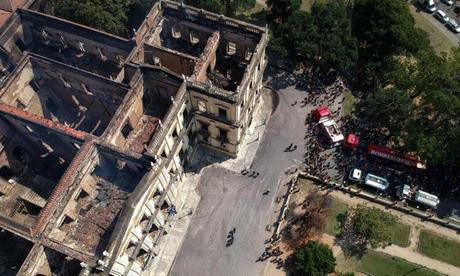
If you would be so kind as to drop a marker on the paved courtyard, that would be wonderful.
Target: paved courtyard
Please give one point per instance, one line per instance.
(230, 199)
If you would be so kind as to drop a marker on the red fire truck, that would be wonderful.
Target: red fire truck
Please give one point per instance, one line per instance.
(329, 126)
(352, 142)
(390, 154)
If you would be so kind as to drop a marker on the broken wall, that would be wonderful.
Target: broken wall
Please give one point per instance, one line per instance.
(32, 161)
(70, 96)
(143, 109)
(179, 63)
(77, 45)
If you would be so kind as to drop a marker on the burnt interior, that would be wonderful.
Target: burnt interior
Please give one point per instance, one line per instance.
(32, 161)
(72, 99)
(13, 252)
(189, 34)
(76, 58)
(151, 105)
(55, 263)
(183, 36)
(99, 200)
(74, 45)
(228, 72)
(178, 63)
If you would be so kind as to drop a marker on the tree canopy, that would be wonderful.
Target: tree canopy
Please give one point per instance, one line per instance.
(372, 226)
(280, 10)
(385, 28)
(314, 259)
(107, 15)
(336, 47)
(323, 36)
(421, 103)
(388, 109)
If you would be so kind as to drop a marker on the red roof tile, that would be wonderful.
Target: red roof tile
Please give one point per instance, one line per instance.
(11, 5)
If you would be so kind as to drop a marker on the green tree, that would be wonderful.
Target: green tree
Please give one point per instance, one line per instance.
(433, 134)
(322, 36)
(372, 226)
(314, 259)
(385, 28)
(431, 83)
(389, 109)
(290, 39)
(336, 47)
(106, 15)
(137, 12)
(280, 10)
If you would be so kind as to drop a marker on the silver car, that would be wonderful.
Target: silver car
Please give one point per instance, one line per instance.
(441, 16)
(453, 25)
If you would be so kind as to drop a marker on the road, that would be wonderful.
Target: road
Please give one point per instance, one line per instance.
(452, 37)
(229, 199)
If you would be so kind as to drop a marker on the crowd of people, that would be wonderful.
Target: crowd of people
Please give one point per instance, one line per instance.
(325, 162)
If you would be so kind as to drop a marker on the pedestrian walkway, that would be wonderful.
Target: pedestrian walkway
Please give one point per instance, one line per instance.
(414, 236)
(414, 257)
(254, 135)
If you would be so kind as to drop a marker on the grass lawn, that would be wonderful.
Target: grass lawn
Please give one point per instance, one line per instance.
(349, 103)
(438, 40)
(336, 215)
(400, 235)
(440, 248)
(381, 264)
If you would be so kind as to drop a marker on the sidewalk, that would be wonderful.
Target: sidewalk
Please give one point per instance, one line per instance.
(411, 256)
(189, 202)
(254, 135)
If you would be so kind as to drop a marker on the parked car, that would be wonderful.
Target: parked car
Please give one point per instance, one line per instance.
(453, 25)
(441, 16)
(448, 2)
(428, 4)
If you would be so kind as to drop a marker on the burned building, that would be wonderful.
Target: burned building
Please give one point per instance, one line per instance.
(95, 131)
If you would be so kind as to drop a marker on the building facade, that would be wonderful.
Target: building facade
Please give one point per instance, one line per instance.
(95, 130)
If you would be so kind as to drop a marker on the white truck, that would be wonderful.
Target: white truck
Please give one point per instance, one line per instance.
(417, 196)
(376, 182)
(355, 175)
(426, 199)
(333, 132)
(370, 180)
